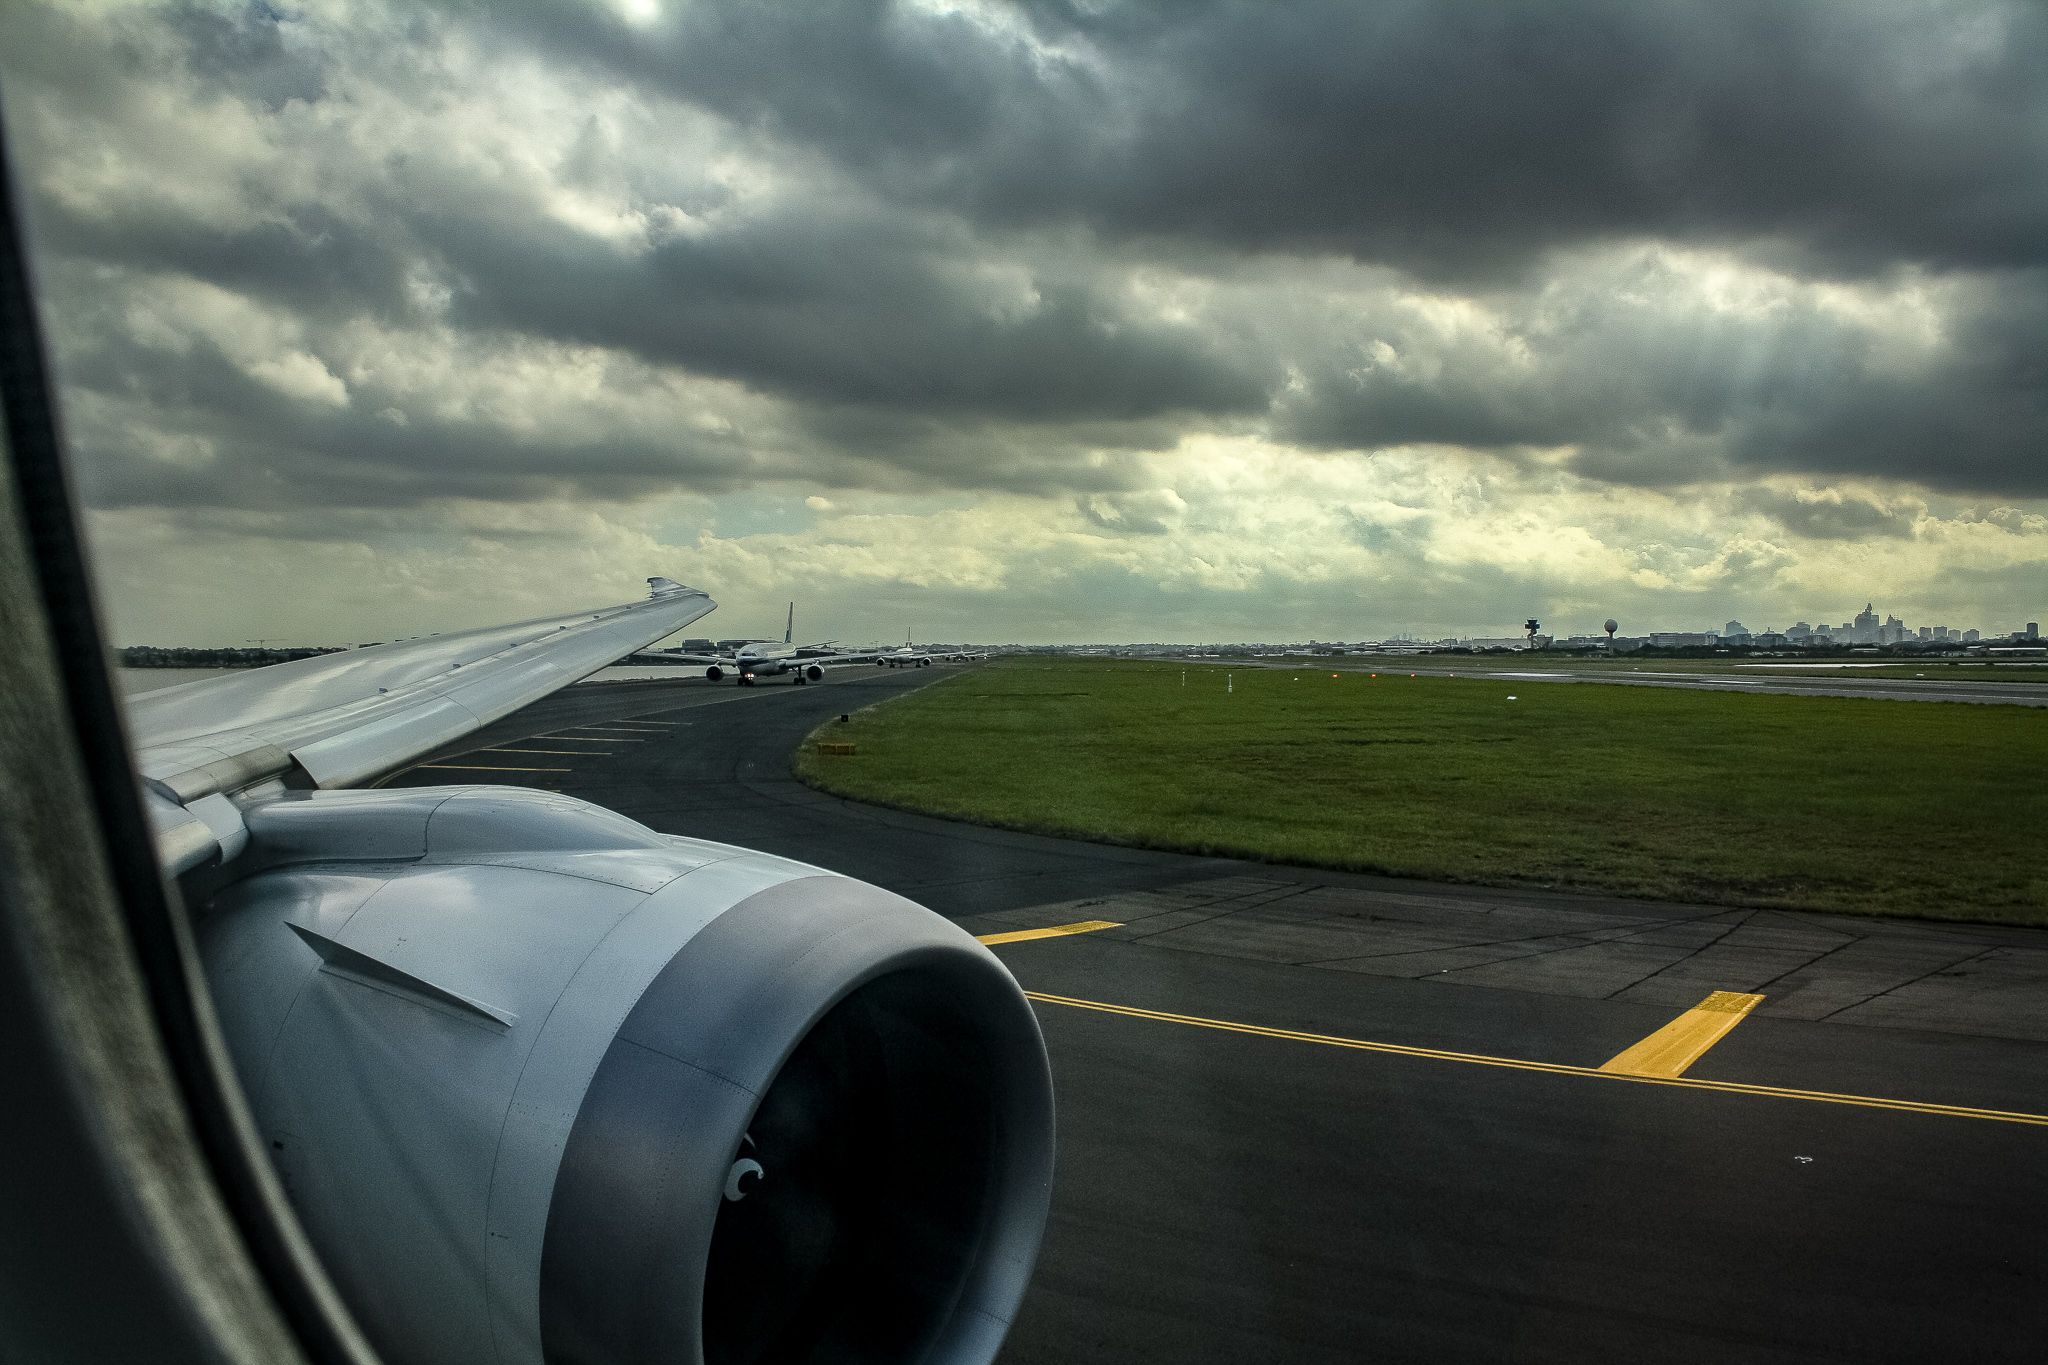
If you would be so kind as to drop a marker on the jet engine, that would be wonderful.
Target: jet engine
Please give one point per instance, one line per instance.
(813, 673)
(714, 673)
(547, 1086)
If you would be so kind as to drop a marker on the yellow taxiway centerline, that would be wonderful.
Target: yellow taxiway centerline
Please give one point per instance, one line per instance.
(558, 753)
(485, 768)
(1962, 1111)
(1683, 1041)
(1086, 926)
(590, 739)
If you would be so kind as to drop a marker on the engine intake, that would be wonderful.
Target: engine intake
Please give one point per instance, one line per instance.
(547, 1086)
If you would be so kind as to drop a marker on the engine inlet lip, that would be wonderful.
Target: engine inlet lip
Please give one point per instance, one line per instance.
(638, 1191)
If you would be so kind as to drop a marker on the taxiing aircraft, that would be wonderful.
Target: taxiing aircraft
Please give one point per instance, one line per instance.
(909, 655)
(752, 660)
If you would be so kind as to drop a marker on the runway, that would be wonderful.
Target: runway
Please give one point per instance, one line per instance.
(1993, 692)
(1311, 1116)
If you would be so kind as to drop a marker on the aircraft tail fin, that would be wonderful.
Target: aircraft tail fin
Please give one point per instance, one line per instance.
(789, 629)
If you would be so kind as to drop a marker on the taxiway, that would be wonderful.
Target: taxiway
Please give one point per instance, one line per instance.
(1311, 1116)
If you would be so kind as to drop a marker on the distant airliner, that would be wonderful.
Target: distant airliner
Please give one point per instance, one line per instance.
(754, 659)
(909, 655)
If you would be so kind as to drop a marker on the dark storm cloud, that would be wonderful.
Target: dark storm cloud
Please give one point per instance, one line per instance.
(902, 451)
(1470, 146)
(942, 363)
(839, 308)
(270, 450)
(1452, 140)
(245, 52)
(307, 257)
(1828, 516)
(937, 290)
(1653, 387)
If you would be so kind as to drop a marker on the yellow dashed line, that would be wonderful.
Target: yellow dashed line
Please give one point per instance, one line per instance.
(1960, 1111)
(484, 768)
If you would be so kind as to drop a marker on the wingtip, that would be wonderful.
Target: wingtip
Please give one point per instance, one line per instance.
(664, 587)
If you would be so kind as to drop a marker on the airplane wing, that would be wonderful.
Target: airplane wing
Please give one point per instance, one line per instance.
(338, 719)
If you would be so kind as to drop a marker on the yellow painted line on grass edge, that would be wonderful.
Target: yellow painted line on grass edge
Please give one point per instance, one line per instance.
(1683, 1041)
(1086, 926)
(1960, 1111)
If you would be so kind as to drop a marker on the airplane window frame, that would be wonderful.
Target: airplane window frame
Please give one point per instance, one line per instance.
(110, 945)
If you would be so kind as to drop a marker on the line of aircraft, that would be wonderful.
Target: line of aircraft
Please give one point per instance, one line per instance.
(748, 661)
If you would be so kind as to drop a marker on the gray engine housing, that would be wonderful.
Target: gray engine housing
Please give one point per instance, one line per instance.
(508, 1049)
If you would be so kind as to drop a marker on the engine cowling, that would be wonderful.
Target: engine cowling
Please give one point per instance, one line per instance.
(544, 1085)
(714, 672)
(814, 673)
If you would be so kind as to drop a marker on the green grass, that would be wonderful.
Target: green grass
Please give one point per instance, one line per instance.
(2035, 671)
(1878, 807)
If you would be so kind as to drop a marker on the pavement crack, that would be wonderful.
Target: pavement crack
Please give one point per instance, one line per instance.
(1747, 916)
(1946, 967)
(1762, 987)
(1287, 894)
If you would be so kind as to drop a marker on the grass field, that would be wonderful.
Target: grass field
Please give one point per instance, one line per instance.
(1878, 807)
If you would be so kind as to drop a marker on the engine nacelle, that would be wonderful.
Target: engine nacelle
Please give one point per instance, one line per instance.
(814, 673)
(544, 1085)
(714, 673)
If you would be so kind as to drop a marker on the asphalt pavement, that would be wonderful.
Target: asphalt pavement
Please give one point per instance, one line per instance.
(1311, 1116)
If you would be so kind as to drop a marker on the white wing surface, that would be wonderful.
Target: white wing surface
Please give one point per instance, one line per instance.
(340, 719)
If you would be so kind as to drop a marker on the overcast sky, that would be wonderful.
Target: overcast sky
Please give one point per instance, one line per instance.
(1069, 321)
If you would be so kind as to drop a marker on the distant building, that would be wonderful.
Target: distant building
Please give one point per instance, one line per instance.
(1863, 630)
(2033, 630)
(1734, 628)
(1679, 639)
(1971, 637)
(1927, 632)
